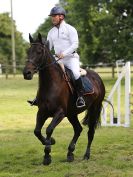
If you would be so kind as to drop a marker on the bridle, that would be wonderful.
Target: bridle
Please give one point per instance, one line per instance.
(42, 65)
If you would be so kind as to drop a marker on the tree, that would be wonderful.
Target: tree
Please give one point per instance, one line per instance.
(5, 42)
(44, 28)
(122, 11)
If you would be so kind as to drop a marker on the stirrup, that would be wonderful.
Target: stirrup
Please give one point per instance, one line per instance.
(81, 102)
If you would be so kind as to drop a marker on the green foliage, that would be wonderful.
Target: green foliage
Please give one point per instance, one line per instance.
(5, 42)
(5, 37)
(44, 28)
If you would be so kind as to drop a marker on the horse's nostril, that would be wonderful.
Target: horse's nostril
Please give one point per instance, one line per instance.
(28, 72)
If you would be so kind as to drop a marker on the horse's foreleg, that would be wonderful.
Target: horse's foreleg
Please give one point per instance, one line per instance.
(55, 121)
(77, 130)
(40, 120)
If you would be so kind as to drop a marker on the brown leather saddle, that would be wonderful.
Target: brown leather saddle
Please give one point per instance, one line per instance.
(87, 85)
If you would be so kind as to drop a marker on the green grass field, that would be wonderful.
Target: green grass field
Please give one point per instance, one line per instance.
(21, 154)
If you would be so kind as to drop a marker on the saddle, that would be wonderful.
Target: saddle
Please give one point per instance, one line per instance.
(87, 85)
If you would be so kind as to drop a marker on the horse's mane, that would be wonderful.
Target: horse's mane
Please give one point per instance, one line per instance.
(50, 55)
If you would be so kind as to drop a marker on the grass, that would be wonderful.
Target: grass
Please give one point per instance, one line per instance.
(21, 153)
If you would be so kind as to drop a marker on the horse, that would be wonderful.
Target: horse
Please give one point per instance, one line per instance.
(56, 100)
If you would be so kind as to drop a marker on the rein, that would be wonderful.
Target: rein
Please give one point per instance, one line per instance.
(56, 61)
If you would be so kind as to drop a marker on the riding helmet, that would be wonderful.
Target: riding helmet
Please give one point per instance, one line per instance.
(57, 10)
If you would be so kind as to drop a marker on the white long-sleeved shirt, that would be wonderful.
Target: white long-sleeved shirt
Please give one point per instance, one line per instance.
(64, 39)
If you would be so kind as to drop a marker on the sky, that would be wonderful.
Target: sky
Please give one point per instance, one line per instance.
(28, 14)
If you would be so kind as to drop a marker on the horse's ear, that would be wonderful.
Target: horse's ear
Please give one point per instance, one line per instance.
(30, 38)
(40, 37)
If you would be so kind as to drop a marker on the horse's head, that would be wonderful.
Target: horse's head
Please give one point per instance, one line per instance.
(36, 57)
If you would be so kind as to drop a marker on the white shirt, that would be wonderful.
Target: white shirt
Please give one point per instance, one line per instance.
(64, 39)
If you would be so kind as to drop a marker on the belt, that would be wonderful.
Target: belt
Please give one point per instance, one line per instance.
(72, 53)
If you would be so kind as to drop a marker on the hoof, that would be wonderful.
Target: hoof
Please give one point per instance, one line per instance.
(70, 158)
(47, 161)
(86, 157)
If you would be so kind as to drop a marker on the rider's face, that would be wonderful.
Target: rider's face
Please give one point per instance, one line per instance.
(56, 19)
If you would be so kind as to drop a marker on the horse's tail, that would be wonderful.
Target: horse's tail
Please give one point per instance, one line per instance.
(92, 116)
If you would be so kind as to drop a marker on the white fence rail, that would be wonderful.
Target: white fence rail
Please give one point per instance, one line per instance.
(119, 120)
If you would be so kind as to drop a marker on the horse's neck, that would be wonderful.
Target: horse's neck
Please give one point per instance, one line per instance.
(50, 76)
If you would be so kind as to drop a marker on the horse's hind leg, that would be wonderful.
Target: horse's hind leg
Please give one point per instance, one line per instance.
(77, 130)
(92, 119)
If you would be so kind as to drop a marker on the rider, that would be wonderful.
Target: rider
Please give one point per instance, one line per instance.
(64, 38)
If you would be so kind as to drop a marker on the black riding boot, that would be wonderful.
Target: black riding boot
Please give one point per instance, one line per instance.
(32, 102)
(80, 101)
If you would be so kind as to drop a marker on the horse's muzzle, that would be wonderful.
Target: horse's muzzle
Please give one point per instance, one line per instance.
(28, 75)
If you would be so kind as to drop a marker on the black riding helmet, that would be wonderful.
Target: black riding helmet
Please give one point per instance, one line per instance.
(57, 10)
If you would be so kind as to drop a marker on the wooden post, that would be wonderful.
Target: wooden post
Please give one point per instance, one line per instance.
(113, 70)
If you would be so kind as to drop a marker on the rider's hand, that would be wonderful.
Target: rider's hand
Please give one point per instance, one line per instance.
(60, 56)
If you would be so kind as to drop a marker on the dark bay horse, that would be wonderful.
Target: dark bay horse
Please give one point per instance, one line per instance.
(57, 101)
